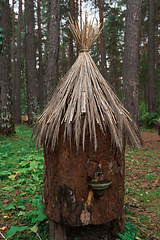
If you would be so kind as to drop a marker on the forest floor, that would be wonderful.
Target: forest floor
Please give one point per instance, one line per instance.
(21, 186)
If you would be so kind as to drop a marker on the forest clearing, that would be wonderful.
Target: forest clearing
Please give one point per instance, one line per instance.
(22, 187)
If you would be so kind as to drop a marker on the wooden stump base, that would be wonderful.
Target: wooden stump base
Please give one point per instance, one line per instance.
(57, 231)
(117, 225)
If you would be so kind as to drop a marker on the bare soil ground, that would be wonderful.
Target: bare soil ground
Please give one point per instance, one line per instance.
(151, 139)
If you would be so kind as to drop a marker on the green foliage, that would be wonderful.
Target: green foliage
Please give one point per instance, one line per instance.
(130, 233)
(149, 119)
(141, 193)
(14, 229)
(1, 36)
(21, 186)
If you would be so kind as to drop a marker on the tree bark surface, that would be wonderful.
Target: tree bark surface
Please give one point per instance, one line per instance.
(40, 76)
(18, 67)
(151, 58)
(103, 66)
(52, 46)
(31, 74)
(6, 106)
(131, 58)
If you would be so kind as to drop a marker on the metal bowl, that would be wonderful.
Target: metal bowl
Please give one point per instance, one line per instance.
(98, 187)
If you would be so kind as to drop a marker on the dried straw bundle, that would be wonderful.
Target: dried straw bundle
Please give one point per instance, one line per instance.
(84, 92)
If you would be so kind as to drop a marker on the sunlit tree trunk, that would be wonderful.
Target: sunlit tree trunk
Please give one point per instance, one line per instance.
(18, 67)
(6, 106)
(151, 57)
(131, 58)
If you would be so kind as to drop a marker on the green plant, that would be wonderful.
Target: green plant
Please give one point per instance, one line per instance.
(130, 233)
(1, 36)
(34, 217)
(149, 119)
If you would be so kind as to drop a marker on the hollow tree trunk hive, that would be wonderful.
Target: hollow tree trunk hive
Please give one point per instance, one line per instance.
(84, 129)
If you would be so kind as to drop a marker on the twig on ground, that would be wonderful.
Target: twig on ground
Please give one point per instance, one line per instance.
(2, 235)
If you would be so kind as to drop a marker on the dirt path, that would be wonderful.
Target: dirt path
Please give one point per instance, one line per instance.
(151, 139)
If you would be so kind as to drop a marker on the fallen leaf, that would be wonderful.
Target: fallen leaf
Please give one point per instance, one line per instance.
(3, 228)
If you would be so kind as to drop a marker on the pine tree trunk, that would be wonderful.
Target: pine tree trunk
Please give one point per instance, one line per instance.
(70, 37)
(40, 56)
(64, 61)
(131, 58)
(76, 19)
(13, 56)
(18, 67)
(103, 67)
(6, 106)
(151, 57)
(156, 33)
(53, 35)
(30, 61)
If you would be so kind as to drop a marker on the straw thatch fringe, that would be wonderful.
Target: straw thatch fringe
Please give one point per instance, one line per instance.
(158, 122)
(83, 99)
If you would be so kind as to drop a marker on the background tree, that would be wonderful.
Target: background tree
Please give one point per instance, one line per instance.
(114, 27)
(40, 73)
(151, 57)
(30, 54)
(18, 67)
(53, 35)
(131, 58)
(13, 58)
(6, 106)
(70, 37)
(103, 67)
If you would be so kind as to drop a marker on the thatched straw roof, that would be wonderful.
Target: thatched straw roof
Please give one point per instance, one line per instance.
(83, 99)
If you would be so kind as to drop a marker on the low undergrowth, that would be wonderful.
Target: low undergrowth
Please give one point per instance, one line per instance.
(21, 210)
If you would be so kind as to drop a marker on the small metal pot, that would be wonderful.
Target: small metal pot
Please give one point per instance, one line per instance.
(98, 187)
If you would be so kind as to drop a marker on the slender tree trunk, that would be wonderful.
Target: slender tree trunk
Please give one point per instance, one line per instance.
(30, 61)
(64, 62)
(70, 37)
(76, 19)
(151, 57)
(40, 56)
(156, 33)
(103, 67)
(80, 13)
(18, 66)
(52, 46)
(13, 55)
(131, 57)
(6, 106)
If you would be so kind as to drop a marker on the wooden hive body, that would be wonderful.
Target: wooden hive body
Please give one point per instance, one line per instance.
(67, 198)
